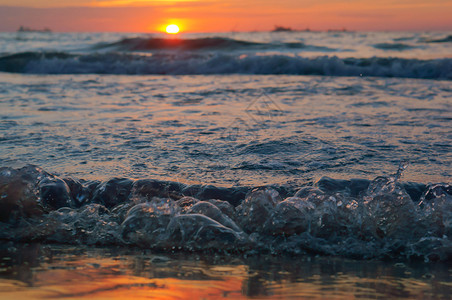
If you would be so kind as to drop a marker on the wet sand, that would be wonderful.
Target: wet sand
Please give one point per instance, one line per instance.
(33, 271)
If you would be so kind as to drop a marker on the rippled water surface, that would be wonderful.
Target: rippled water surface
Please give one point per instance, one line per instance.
(219, 165)
(61, 272)
(227, 130)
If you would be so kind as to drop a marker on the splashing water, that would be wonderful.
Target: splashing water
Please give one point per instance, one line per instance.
(384, 217)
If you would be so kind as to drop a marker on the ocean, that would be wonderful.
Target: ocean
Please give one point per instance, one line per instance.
(223, 160)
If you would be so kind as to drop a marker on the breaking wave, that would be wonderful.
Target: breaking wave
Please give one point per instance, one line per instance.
(380, 218)
(209, 63)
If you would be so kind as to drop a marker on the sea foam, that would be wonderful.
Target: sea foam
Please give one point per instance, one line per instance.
(187, 63)
(380, 218)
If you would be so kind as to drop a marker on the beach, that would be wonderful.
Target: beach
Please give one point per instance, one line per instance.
(249, 165)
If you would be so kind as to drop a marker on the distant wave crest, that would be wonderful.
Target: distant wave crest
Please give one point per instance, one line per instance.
(447, 39)
(137, 44)
(208, 43)
(221, 63)
(393, 46)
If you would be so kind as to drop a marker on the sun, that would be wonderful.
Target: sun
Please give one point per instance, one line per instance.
(172, 29)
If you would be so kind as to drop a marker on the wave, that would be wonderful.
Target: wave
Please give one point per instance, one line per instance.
(211, 43)
(196, 63)
(142, 44)
(447, 39)
(16, 63)
(394, 46)
(359, 218)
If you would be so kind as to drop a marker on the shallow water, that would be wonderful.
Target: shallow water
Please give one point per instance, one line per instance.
(45, 272)
(227, 130)
(384, 218)
(228, 109)
(236, 139)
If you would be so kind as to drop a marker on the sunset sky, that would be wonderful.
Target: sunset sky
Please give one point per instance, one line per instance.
(221, 16)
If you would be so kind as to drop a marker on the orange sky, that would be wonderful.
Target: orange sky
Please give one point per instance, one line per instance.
(220, 16)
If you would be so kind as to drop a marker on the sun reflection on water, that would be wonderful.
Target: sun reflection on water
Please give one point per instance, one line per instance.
(38, 272)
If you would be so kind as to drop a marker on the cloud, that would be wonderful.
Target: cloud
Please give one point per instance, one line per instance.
(141, 3)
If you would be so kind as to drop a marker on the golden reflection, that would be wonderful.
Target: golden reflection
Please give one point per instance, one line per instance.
(69, 273)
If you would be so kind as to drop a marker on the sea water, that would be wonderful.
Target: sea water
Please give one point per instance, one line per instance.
(282, 143)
